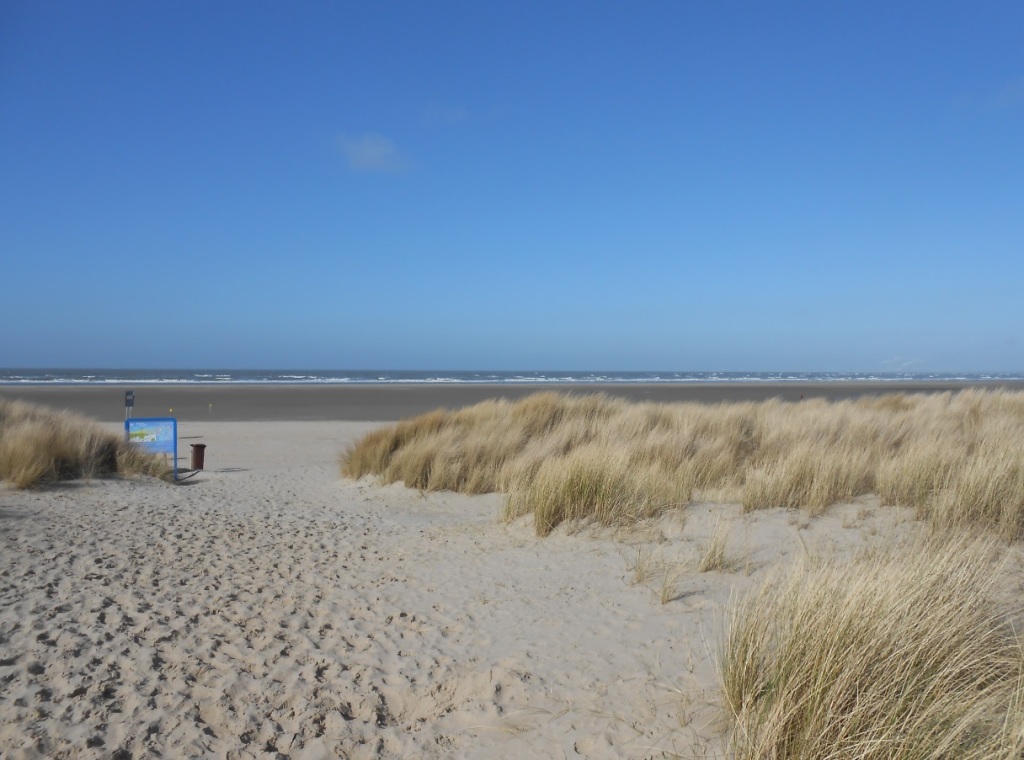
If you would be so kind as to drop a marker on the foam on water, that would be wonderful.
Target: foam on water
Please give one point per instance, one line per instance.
(92, 376)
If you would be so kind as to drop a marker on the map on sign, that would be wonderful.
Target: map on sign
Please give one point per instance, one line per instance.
(157, 435)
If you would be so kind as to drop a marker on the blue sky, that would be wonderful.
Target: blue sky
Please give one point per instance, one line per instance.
(513, 185)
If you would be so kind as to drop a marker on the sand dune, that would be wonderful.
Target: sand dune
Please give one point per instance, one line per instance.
(268, 608)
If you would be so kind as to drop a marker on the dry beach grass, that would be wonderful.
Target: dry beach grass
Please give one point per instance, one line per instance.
(271, 607)
(958, 459)
(40, 445)
(895, 654)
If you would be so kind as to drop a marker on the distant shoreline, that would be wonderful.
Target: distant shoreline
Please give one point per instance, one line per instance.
(81, 376)
(389, 402)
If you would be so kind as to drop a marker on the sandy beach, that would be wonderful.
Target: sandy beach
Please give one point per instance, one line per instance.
(268, 608)
(601, 381)
(388, 402)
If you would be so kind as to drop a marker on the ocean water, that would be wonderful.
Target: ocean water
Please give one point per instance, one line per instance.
(341, 377)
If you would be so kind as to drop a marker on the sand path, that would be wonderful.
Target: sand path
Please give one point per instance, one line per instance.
(270, 609)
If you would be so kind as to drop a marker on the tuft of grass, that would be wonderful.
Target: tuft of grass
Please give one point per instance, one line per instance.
(643, 566)
(594, 483)
(810, 476)
(670, 582)
(988, 490)
(955, 458)
(913, 476)
(712, 556)
(897, 655)
(40, 445)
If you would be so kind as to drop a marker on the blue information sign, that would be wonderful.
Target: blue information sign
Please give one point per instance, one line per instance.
(157, 435)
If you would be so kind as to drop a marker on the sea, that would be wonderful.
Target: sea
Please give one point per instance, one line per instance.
(51, 376)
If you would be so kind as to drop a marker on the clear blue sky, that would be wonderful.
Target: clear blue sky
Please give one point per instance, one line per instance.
(513, 185)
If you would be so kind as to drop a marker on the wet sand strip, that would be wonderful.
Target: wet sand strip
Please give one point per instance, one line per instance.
(361, 403)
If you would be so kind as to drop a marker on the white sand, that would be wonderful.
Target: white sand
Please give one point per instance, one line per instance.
(269, 608)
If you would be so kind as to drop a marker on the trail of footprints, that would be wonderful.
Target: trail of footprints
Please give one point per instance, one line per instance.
(234, 633)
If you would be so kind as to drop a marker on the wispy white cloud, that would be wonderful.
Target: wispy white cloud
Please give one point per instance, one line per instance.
(440, 115)
(371, 152)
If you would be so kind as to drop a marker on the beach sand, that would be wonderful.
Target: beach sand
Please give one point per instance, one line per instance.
(269, 608)
(361, 403)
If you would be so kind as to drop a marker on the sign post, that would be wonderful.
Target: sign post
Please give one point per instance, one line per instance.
(157, 435)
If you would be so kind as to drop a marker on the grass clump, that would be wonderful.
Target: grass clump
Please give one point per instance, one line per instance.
(549, 452)
(594, 483)
(712, 554)
(955, 458)
(644, 565)
(40, 445)
(899, 655)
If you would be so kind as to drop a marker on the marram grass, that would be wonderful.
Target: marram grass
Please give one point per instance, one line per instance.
(899, 654)
(957, 458)
(40, 445)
